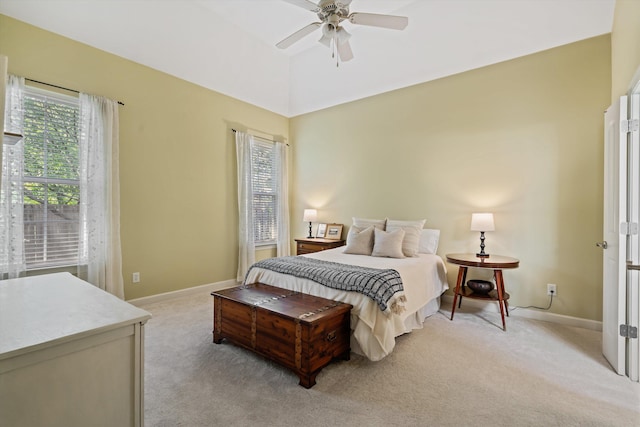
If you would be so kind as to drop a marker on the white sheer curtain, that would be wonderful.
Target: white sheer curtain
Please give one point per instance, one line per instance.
(282, 174)
(12, 257)
(247, 248)
(100, 258)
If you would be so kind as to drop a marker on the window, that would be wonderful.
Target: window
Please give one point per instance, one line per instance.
(264, 184)
(51, 179)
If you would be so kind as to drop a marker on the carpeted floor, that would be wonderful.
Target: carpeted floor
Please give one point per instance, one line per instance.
(450, 373)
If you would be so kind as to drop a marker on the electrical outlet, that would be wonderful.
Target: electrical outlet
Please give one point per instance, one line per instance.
(135, 277)
(551, 289)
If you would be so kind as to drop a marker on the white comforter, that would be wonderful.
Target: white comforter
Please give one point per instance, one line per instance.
(424, 279)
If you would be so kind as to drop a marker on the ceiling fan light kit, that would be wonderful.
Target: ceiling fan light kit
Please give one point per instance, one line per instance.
(331, 14)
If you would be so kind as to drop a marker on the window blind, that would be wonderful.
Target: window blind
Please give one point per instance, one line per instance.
(264, 193)
(50, 179)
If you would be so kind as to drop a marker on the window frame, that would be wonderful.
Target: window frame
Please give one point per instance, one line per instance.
(262, 144)
(69, 265)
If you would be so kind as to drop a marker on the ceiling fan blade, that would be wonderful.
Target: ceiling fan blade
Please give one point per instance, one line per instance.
(285, 43)
(345, 52)
(305, 4)
(385, 21)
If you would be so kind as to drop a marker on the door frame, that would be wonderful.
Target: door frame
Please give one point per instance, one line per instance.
(633, 250)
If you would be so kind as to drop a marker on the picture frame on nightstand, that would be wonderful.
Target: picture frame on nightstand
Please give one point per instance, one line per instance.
(334, 232)
(322, 231)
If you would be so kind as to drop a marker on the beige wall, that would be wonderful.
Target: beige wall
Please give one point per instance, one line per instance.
(177, 157)
(522, 139)
(625, 46)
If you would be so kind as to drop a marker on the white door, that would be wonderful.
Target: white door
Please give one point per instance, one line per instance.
(614, 245)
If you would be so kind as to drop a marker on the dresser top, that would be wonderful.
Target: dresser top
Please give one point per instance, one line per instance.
(41, 311)
(319, 240)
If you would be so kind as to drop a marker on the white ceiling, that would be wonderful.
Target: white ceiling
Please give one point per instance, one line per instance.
(229, 45)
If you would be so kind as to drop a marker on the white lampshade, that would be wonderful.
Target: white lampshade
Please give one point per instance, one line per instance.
(310, 215)
(482, 222)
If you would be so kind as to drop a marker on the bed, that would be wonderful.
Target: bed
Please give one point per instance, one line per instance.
(373, 331)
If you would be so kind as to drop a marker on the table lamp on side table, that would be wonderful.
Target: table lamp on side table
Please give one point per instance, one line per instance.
(482, 222)
(310, 215)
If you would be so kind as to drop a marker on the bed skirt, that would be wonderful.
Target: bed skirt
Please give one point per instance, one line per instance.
(413, 321)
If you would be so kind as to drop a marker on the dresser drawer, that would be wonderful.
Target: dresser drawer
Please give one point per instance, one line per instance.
(307, 246)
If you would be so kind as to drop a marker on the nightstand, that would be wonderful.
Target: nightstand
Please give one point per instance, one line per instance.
(307, 246)
(496, 263)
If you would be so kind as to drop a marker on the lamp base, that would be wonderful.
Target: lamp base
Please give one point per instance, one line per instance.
(481, 254)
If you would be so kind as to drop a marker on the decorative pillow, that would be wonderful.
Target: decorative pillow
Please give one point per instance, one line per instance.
(412, 230)
(388, 244)
(364, 222)
(429, 241)
(359, 241)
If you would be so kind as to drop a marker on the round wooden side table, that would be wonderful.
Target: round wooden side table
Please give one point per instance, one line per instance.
(495, 262)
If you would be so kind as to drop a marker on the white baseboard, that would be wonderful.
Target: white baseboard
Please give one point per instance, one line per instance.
(210, 287)
(485, 306)
(447, 300)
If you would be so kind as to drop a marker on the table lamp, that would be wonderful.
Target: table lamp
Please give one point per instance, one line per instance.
(482, 222)
(310, 215)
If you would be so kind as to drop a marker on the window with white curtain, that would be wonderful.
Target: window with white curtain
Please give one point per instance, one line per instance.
(51, 179)
(263, 201)
(265, 197)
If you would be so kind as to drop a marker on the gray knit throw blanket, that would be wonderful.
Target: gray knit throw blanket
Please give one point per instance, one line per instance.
(381, 285)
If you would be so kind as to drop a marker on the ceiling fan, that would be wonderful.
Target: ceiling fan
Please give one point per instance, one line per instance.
(331, 14)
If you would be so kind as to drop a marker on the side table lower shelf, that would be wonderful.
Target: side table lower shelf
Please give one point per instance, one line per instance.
(490, 296)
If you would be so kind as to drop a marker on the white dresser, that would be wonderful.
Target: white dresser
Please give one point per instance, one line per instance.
(70, 354)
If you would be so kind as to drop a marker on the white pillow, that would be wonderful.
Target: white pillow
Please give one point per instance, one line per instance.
(412, 230)
(364, 222)
(429, 239)
(388, 244)
(359, 241)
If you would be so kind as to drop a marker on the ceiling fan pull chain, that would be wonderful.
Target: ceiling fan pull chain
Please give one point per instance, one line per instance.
(332, 47)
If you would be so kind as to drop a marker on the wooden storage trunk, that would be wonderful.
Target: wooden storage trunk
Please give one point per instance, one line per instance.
(301, 332)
